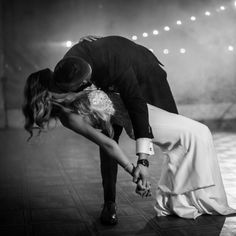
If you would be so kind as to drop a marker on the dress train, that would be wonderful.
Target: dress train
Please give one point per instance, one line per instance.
(190, 183)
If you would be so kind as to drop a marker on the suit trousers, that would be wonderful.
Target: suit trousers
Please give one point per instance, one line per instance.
(109, 169)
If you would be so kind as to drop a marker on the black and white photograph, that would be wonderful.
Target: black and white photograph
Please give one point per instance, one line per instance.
(117, 118)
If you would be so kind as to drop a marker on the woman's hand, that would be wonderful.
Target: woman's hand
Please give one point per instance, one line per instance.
(143, 192)
(140, 177)
(89, 38)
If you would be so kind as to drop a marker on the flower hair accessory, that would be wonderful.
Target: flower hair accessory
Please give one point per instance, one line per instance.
(99, 101)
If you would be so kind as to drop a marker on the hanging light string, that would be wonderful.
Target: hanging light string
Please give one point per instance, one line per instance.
(178, 22)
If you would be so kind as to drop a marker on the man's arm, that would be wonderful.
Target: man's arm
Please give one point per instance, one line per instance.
(131, 95)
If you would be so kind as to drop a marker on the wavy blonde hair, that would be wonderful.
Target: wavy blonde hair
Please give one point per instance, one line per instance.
(79, 103)
(39, 107)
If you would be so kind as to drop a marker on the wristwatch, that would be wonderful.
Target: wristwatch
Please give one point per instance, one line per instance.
(143, 162)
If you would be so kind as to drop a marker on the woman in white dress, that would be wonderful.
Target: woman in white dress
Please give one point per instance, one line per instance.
(190, 183)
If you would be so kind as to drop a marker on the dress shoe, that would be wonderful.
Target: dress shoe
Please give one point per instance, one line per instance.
(108, 215)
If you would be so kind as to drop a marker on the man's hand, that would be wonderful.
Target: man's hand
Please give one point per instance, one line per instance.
(141, 172)
(140, 177)
(89, 38)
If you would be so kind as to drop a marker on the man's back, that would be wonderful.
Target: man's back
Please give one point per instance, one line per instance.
(128, 68)
(111, 56)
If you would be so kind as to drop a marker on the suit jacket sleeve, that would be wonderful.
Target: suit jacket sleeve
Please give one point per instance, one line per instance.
(131, 95)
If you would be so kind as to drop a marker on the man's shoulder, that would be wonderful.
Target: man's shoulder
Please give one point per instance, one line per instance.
(101, 43)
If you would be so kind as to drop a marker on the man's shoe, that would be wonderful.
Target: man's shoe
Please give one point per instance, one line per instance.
(108, 215)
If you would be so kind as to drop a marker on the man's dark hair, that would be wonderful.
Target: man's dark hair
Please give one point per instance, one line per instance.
(70, 72)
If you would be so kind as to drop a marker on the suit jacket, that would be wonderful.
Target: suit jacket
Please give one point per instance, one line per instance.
(133, 71)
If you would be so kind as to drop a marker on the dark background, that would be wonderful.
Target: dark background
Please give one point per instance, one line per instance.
(52, 185)
(33, 36)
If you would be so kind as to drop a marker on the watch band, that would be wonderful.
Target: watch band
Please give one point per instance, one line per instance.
(143, 162)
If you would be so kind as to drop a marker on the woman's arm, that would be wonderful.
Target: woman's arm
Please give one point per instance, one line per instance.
(77, 123)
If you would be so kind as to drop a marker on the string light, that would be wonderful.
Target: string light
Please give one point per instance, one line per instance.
(166, 51)
(179, 22)
(155, 32)
(166, 28)
(230, 48)
(68, 44)
(207, 13)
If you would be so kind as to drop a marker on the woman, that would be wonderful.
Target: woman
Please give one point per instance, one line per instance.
(190, 183)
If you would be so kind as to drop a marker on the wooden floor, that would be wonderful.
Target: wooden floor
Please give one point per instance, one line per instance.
(52, 186)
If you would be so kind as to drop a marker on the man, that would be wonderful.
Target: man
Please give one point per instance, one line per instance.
(118, 64)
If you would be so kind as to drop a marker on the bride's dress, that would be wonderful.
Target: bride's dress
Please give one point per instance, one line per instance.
(190, 183)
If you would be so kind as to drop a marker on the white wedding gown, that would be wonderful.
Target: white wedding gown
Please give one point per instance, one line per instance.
(190, 183)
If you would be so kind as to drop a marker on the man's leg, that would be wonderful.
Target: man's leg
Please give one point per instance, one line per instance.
(109, 169)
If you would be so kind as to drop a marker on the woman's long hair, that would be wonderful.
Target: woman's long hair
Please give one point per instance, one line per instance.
(40, 106)
(37, 107)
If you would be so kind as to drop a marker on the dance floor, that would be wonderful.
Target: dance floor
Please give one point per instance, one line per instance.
(52, 186)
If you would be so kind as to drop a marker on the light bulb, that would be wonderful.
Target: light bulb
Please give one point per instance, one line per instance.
(68, 44)
(145, 34)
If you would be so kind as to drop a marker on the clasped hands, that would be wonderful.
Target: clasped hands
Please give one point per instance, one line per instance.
(140, 177)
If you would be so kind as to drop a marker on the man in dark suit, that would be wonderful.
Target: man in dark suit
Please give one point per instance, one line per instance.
(116, 63)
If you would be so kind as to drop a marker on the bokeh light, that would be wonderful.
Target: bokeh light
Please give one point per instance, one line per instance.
(166, 51)
(145, 34)
(155, 32)
(68, 44)
(222, 8)
(230, 48)
(166, 28)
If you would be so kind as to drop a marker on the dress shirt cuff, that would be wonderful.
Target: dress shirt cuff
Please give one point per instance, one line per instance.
(144, 145)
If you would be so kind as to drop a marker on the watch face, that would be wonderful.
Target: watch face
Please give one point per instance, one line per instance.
(144, 162)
